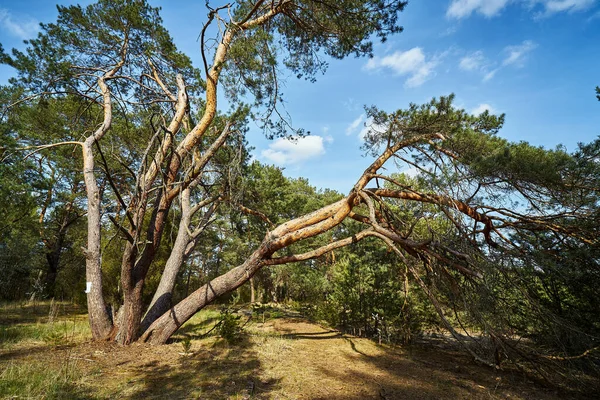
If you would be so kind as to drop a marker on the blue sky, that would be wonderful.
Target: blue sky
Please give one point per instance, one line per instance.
(538, 61)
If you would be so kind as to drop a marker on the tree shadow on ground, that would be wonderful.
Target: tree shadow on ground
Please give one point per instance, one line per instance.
(422, 372)
(21, 313)
(196, 330)
(314, 335)
(219, 371)
(355, 368)
(22, 353)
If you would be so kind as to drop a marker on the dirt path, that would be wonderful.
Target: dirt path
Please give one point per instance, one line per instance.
(323, 364)
(280, 359)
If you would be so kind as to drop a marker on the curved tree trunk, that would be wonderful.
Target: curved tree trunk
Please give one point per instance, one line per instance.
(182, 248)
(100, 319)
(284, 235)
(164, 327)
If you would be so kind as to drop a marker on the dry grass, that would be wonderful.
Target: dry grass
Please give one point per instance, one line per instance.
(283, 358)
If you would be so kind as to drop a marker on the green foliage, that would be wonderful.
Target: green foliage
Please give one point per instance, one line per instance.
(265, 312)
(186, 344)
(229, 326)
(368, 296)
(87, 37)
(298, 37)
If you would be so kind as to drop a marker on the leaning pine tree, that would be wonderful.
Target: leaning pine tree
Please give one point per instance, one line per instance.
(507, 217)
(118, 57)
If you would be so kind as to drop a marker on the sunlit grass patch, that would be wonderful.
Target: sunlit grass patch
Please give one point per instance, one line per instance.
(40, 381)
(199, 325)
(56, 333)
(50, 323)
(273, 347)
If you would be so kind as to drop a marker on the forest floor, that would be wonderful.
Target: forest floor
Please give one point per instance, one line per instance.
(45, 353)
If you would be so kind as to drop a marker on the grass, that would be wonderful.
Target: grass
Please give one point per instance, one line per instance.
(199, 325)
(31, 380)
(46, 354)
(51, 323)
(54, 334)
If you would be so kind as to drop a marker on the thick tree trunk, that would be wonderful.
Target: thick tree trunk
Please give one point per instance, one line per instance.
(284, 235)
(100, 322)
(129, 329)
(53, 259)
(162, 329)
(182, 248)
(161, 301)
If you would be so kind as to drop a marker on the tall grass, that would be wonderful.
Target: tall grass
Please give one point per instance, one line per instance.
(35, 380)
(50, 323)
(47, 324)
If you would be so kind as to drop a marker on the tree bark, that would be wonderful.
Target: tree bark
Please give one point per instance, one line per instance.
(284, 235)
(164, 327)
(100, 322)
(161, 301)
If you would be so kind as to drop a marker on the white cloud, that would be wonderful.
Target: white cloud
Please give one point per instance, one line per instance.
(365, 130)
(477, 62)
(355, 124)
(556, 6)
(285, 152)
(472, 62)
(450, 31)
(370, 127)
(351, 104)
(481, 108)
(514, 56)
(489, 75)
(490, 8)
(412, 63)
(411, 172)
(23, 28)
(517, 54)
(464, 8)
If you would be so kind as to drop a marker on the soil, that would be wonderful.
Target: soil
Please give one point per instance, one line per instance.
(284, 358)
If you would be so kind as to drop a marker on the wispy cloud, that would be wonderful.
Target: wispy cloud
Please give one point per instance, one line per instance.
(481, 108)
(464, 8)
(286, 152)
(21, 27)
(371, 128)
(512, 56)
(459, 9)
(413, 63)
(556, 6)
(353, 126)
(594, 16)
(473, 62)
(477, 62)
(516, 55)
(489, 75)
